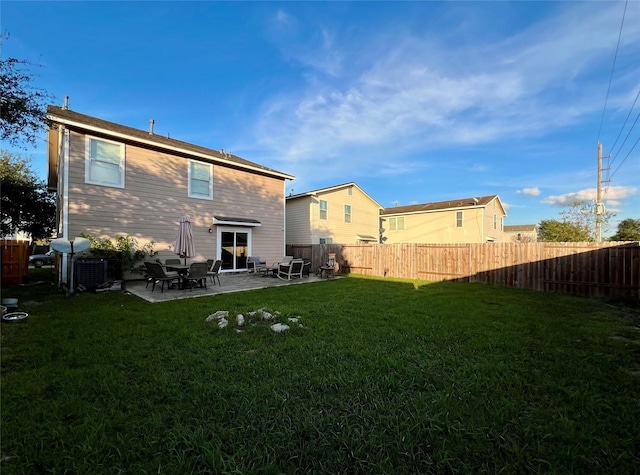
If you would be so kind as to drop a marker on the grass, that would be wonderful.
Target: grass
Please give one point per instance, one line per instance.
(383, 376)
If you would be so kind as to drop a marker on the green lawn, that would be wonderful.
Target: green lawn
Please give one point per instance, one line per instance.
(381, 377)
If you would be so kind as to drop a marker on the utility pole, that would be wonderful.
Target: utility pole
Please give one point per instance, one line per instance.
(599, 205)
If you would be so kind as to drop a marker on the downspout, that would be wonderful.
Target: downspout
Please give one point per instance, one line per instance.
(64, 215)
(284, 217)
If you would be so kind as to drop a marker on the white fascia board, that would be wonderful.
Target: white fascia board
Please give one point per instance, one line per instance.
(119, 135)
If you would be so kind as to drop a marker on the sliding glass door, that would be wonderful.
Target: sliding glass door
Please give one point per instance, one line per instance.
(234, 247)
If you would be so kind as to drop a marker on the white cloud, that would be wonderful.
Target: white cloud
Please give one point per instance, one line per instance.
(534, 191)
(613, 197)
(417, 92)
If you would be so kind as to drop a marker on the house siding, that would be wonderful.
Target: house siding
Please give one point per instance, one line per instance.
(155, 196)
(304, 225)
(493, 209)
(521, 233)
(430, 223)
(437, 227)
(299, 221)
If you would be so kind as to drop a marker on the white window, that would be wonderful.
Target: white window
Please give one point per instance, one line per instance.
(458, 219)
(326, 241)
(200, 180)
(495, 222)
(396, 224)
(347, 213)
(323, 209)
(104, 162)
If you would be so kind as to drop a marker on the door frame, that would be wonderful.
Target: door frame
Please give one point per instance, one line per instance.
(232, 229)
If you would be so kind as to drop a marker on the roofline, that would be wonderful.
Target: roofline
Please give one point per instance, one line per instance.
(73, 123)
(384, 212)
(322, 190)
(332, 188)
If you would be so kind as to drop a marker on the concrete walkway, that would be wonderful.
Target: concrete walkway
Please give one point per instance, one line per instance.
(236, 282)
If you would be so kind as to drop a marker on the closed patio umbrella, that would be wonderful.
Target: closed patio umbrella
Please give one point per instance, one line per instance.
(184, 246)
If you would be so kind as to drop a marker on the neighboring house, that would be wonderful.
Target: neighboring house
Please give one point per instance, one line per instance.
(521, 233)
(113, 180)
(341, 214)
(467, 220)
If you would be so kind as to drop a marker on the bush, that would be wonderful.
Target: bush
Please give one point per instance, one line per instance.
(123, 248)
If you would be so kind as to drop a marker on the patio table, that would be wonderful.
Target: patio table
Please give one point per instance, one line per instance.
(270, 271)
(182, 270)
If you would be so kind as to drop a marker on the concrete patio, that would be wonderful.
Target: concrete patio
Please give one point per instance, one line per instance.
(232, 282)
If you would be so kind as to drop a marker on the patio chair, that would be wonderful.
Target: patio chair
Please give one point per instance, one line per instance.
(291, 269)
(331, 267)
(197, 275)
(157, 274)
(284, 260)
(255, 265)
(214, 270)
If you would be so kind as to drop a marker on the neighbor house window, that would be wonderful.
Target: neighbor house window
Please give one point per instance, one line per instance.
(350, 191)
(495, 222)
(347, 213)
(326, 241)
(104, 162)
(396, 224)
(458, 219)
(200, 180)
(323, 209)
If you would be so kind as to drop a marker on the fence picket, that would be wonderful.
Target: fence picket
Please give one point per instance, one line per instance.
(583, 269)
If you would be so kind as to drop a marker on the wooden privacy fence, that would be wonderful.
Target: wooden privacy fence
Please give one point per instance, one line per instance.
(583, 269)
(15, 261)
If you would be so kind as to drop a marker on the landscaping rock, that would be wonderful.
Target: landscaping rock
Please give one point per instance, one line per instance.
(217, 316)
(279, 327)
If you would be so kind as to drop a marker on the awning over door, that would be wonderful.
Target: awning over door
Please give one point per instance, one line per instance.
(366, 237)
(229, 221)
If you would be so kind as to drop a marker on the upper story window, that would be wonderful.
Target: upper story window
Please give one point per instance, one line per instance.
(200, 180)
(458, 219)
(350, 191)
(326, 241)
(324, 208)
(495, 221)
(347, 213)
(104, 162)
(396, 224)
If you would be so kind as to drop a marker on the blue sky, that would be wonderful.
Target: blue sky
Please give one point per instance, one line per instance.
(414, 101)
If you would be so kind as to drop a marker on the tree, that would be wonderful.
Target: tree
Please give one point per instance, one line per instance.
(23, 107)
(552, 230)
(27, 206)
(577, 224)
(628, 230)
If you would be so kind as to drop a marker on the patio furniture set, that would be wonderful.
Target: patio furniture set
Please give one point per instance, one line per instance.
(186, 276)
(174, 273)
(290, 268)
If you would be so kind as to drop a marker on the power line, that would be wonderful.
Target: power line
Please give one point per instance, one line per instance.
(625, 122)
(625, 139)
(626, 156)
(613, 66)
